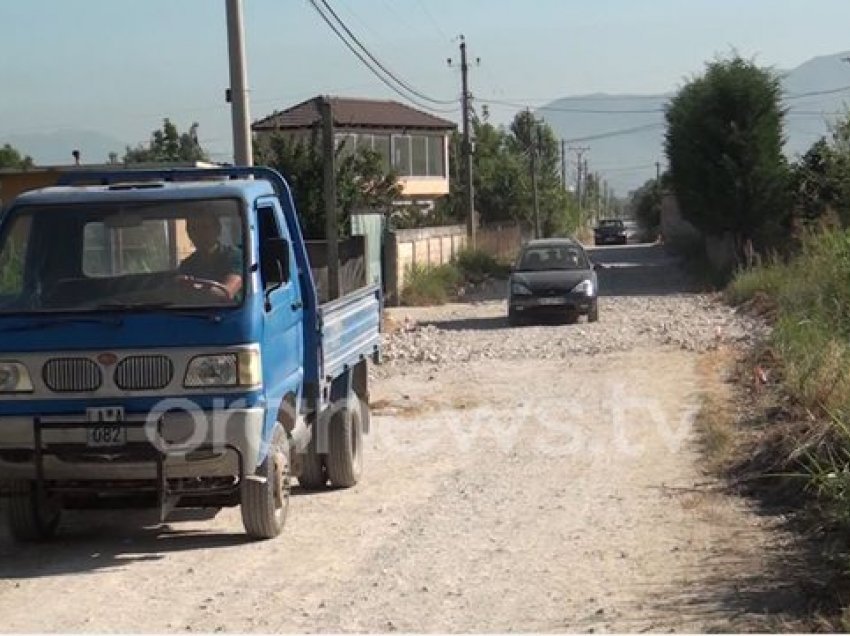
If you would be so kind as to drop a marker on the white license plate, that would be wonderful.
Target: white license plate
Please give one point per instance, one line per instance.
(551, 301)
(107, 429)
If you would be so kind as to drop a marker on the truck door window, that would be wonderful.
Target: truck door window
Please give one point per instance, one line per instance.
(268, 229)
(12, 255)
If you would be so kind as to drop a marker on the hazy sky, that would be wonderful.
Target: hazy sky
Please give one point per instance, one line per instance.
(119, 66)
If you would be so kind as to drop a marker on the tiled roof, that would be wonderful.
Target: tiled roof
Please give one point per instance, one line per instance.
(354, 113)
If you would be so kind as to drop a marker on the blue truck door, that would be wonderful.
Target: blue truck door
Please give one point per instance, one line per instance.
(283, 344)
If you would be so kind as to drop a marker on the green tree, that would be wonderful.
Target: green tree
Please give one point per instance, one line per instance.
(168, 145)
(362, 180)
(645, 207)
(724, 144)
(821, 177)
(12, 158)
(502, 175)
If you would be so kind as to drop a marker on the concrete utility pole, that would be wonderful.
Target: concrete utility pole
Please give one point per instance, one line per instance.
(533, 147)
(581, 168)
(469, 193)
(564, 164)
(329, 195)
(237, 94)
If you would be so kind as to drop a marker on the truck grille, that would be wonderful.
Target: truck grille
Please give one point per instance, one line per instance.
(138, 373)
(72, 374)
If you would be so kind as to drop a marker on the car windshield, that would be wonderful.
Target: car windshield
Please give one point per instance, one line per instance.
(611, 223)
(550, 257)
(122, 256)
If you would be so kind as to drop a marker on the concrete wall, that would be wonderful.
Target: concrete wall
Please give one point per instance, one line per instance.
(425, 247)
(433, 246)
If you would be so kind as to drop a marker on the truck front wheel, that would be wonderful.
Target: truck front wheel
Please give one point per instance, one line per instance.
(345, 444)
(31, 516)
(265, 495)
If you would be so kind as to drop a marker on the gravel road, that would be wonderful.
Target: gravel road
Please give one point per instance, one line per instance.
(542, 478)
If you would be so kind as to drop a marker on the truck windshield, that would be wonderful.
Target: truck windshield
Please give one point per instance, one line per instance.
(121, 256)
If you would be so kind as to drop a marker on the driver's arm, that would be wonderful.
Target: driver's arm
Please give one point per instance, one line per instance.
(233, 283)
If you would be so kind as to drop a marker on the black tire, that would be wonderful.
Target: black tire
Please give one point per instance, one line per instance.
(593, 314)
(29, 518)
(514, 320)
(313, 475)
(344, 461)
(265, 502)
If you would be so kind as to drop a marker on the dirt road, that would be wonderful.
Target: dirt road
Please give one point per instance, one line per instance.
(502, 493)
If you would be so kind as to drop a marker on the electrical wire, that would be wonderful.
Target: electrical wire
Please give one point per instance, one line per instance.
(616, 133)
(395, 78)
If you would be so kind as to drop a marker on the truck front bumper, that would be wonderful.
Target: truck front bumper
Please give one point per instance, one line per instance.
(178, 445)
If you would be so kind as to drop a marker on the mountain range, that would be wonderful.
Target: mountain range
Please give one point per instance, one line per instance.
(625, 133)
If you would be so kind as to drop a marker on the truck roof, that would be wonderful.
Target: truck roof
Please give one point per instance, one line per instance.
(248, 189)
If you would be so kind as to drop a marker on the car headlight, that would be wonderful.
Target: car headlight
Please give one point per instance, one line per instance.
(14, 378)
(520, 289)
(584, 287)
(224, 370)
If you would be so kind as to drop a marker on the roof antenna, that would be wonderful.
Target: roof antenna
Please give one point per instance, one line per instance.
(76, 155)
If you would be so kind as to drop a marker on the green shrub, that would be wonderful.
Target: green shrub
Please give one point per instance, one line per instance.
(476, 265)
(429, 285)
(811, 338)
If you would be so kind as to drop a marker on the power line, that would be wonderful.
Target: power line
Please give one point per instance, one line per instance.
(616, 133)
(829, 91)
(400, 82)
(577, 110)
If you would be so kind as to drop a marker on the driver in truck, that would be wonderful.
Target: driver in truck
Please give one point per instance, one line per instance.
(211, 260)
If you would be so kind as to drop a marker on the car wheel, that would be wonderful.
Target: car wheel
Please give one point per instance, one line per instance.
(593, 314)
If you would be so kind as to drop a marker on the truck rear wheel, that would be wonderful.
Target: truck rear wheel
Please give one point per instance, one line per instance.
(265, 497)
(313, 475)
(345, 445)
(31, 518)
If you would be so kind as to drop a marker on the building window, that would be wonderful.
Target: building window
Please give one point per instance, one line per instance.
(381, 145)
(436, 157)
(419, 156)
(401, 155)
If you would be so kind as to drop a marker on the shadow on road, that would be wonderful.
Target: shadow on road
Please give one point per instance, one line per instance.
(91, 541)
(640, 270)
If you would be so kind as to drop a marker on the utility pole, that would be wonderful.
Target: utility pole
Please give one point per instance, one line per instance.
(581, 169)
(237, 94)
(533, 133)
(329, 195)
(564, 164)
(469, 193)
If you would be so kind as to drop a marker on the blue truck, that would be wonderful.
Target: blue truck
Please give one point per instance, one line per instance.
(162, 345)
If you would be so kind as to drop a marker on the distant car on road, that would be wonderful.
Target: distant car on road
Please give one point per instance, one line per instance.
(553, 277)
(610, 231)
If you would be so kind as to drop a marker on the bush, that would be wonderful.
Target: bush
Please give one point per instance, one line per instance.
(429, 285)
(476, 265)
(811, 339)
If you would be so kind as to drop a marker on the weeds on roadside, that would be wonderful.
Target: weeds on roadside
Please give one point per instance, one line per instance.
(435, 285)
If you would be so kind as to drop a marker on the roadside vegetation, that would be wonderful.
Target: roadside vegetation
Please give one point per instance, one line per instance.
(436, 285)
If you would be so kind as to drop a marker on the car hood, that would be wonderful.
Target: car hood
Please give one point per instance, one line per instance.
(559, 280)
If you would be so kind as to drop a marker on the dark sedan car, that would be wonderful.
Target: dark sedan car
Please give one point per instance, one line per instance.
(610, 231)
(553, 277)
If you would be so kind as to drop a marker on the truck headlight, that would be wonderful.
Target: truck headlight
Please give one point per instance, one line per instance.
(584, 287)
(14, 378)
(225, 370)
(520, 289)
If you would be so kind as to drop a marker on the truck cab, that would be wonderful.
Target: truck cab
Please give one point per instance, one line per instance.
(162, 344)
